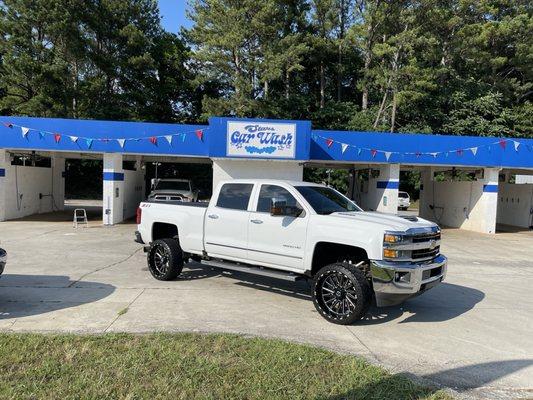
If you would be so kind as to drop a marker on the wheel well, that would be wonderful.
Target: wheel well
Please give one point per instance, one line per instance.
(162, 230)
(328, 253)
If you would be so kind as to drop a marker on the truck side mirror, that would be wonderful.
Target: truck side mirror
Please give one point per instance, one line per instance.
(279, 207)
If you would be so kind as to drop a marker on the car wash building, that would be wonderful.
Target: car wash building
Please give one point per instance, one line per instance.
(473, 183)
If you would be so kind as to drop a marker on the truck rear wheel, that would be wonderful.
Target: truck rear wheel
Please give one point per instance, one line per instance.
(165, 259)
(341, 293)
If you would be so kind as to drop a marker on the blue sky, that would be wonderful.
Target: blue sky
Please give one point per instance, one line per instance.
(173, 13)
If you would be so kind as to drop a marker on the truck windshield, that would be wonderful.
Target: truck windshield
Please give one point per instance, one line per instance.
(326, 200)
(172, 185)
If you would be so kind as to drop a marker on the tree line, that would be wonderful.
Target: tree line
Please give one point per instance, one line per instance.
(444, 66)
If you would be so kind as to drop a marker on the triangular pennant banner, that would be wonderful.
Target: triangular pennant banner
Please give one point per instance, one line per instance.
(387, 155)
(473, 150)
(502, 143)
(200, 134)
(373, 152)
(418, 154)
(344, 146)
(153, 140)
(89, 143)
(57, 137)
(8, 124)
(516, 145)
(459, 152)
(434, 155)
(41, 134)
(169, 139)
(121, 142)
(74, 139)
(359, 152)
(24, 131)
(329, 142)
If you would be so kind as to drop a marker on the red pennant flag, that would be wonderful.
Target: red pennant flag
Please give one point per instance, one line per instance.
(373, 152)
(57, 137)
(8, 124)
(503, 143)
(459, 152)
(200, 134)
(153, 140)
(418, 154)
(329, 142)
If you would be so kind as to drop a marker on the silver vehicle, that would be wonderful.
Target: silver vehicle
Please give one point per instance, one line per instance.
(3, 260)
(173, 190)
(404, 200)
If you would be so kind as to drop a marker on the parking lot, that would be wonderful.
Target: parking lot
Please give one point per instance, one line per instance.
(472, 333)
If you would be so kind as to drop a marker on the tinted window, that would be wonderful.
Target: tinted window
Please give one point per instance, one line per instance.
(269, 192)
(403, 195)
(325, 200)
(235, 196)
(172, 185)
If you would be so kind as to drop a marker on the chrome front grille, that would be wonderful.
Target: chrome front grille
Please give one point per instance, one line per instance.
(420, 244)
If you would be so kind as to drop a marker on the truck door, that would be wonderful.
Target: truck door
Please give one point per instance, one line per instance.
(226, 223)
(276, 240)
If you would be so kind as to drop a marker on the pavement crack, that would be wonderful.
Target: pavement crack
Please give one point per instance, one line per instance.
(120, 314)
(104, 267)
(364, 345)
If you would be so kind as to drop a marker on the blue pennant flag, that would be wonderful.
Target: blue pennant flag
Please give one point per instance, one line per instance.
(89, 143)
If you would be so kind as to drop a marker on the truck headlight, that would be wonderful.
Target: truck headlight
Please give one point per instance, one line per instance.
(392, 238)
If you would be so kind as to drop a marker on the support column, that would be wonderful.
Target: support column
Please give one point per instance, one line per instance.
(113, 198)
(224, 169)
(58, 179)
(382, 194)
(4, 166)
(489, 201)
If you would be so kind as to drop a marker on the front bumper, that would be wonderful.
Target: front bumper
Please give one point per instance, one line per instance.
(395, 282)
(3, 260)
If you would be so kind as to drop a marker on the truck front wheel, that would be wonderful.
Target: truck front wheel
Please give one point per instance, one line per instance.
(341, 293)
(165, 259)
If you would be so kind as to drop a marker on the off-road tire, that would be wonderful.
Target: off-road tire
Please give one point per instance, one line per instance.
(331, 280)
(165, 259)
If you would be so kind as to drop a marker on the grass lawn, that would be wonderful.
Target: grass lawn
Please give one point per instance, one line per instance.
(188, 366)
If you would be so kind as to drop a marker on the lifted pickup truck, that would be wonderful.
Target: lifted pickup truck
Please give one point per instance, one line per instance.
(297, 230)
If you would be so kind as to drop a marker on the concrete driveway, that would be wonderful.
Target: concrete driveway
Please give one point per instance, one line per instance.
(473, 333)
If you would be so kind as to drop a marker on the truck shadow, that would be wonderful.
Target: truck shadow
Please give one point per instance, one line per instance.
(27, 295)
(462, 379)
(442, 303)
(445, 302)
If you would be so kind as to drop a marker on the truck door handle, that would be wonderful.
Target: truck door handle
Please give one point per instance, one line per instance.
(213, 216)
(256, 221)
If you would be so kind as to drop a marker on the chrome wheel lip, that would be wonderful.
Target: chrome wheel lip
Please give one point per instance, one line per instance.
(336, 295)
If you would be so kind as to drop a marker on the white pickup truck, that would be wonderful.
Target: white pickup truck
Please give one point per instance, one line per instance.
(297, 230)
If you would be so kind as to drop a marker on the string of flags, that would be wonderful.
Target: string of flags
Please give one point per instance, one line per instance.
(170, 138)
(502, 143)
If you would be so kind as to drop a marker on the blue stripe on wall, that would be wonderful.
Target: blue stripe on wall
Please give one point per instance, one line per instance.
(2, 172)
(113, 176)
(490, 188)
(388, 185)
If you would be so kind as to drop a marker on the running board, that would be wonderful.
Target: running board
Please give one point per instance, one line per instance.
(250, 269)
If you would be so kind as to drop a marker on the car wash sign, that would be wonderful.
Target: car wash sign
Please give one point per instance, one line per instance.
(261, 139)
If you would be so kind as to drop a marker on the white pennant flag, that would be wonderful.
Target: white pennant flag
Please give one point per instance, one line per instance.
(434, 154)
(24, 131)
(344, 146)
(169, 139)
(516, 145)
(473, 150)
(121, 142)
(387, 155)
(74, 139)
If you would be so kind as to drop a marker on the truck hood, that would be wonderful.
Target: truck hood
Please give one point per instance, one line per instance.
(388, 222)
(170, 192)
